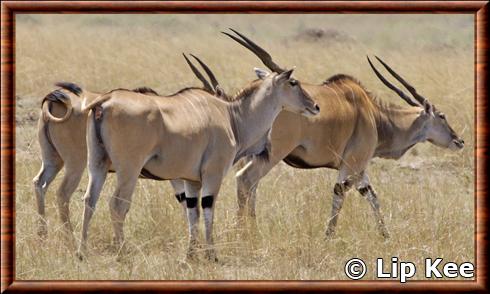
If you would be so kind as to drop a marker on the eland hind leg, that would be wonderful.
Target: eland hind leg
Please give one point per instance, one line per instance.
(342, 186)
(51, 165)
(120, 202)
(350, 174)
(73, 174)
(355, 158)
(97, 175)
(98, 167)
(367, 191)
(41, 182)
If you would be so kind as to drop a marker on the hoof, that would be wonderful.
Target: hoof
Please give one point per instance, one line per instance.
(42, 233)
(42, 229)
(383, 231)
(191, 255)
(329, 234)
(80, 255)
(211, 257)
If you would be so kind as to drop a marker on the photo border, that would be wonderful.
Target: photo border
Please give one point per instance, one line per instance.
(8, 10)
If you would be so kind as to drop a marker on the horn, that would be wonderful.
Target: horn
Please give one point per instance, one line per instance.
(198, 74)
(409, 87)
(210, 74)
(391, 86)
(257, 50)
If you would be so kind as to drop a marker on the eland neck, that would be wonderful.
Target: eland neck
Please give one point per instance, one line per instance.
(399, 129)
(252, 116)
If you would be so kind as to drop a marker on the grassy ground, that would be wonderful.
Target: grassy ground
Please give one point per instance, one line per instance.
(427, 197)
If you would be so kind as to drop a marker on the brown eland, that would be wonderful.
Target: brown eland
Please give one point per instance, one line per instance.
(352, 128)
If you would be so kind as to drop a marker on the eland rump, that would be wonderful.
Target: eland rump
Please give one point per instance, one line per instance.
(61, 136)
(190, 135)
(352, 128)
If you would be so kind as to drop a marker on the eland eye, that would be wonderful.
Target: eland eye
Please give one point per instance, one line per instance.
(441, 115)
(293, 82)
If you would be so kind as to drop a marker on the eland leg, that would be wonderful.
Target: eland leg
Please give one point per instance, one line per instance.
(252, 170)
(210, 190)
(179, 192)
(98, 167)
(120, 201)
(192, 196)
(367, 191)
(97, 175)
(46, 175)
(354, 161)
(73, 174)
(339, 190)
(51, 165)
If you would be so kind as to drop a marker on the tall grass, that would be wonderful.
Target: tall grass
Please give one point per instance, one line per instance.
(427, 197)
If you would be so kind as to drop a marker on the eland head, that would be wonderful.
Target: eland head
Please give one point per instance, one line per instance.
(289, 92)
(438, 131)
(288, 89)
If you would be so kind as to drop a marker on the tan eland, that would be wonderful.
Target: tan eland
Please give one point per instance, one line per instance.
(191, 135)
(61, 135)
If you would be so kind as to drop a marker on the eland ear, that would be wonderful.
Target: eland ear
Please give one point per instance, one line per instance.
(261, 73)
(219, 91)
(429, 108)
(284, 76)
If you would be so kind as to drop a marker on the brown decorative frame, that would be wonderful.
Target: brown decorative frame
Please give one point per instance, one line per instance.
(10, 8)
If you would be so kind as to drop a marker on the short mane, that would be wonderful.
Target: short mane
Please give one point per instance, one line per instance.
(245, 92)
(187, 89)
(343, 78)
(145, 90)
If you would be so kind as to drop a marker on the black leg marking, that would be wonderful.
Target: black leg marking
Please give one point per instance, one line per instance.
(191, 202)
(180, 197)
(347, 184)
(337, 189)
(364, 190)
(207, 201)
(340, 188)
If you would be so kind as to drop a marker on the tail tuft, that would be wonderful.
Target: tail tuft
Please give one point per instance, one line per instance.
(71, 87)
(56, 96)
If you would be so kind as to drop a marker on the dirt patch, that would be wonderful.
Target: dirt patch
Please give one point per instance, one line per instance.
(320, 34)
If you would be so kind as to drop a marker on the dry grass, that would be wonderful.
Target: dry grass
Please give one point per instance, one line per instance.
(427, 197)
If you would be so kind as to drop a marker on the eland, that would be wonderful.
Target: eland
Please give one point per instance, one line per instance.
(61, 135)
(352, 128)
(190, 135)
